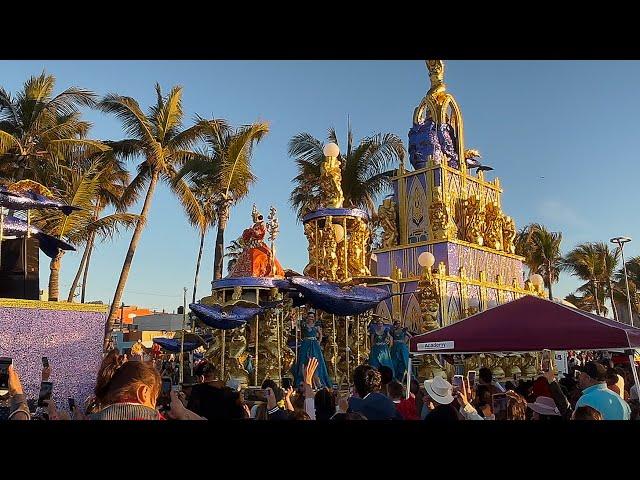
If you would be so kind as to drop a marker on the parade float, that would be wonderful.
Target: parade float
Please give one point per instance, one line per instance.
(68, 334)
(447, 253)
(447, 241)
(257, 309)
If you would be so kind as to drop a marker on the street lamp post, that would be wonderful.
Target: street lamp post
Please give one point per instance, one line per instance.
(620, 241)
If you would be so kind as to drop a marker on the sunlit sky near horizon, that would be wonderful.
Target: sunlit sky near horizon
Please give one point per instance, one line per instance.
(561, 135)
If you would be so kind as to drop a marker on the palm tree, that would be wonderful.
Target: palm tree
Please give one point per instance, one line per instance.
(205, 219)
(587, 263)
(584, 301)
(227, 170)
(159, 139)
(113, 180)
(541, 249)
(365, 169)
(233, 252)
(78, 187)
(37, 127)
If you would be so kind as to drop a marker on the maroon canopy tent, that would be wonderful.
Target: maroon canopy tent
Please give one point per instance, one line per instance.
(526, 325)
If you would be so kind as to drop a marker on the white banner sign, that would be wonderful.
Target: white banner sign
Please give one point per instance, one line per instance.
(447, 345)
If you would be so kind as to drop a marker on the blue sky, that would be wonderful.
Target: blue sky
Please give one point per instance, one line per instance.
(561, 135)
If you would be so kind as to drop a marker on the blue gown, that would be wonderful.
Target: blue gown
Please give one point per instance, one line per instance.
(399, 353)
(380, 351)
(310, 347)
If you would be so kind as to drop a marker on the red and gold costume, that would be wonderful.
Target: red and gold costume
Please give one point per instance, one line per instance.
(256, 258)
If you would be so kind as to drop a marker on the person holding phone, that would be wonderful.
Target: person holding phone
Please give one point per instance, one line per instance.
(18, 406)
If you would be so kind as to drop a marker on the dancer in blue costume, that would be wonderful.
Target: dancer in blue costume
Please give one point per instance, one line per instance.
(380, 340)
(400, 351)
(311, 335)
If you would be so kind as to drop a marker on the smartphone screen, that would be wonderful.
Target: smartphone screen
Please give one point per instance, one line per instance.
(72, 404)
(471, 376)
(458, 381)
(4, 374)
(45, 362)
(499, 403)
(166, 386)
(45, 393)
(286, 383)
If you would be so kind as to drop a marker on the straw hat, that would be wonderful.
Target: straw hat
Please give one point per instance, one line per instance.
(544, 406)
(439, 390)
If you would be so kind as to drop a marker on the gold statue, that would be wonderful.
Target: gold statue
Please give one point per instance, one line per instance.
(358, 248)
(237, 293)
(429, 299)
(387, 215)
(441, 221)
(508, 235)
(473, 219)
(268, 351)
(429, 367)
(493, 226)
(331, 182)
(329, 255)
(237, 347)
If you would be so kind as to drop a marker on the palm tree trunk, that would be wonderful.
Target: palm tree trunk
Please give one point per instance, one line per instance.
(124, 274)
(223, 217)
(219, 253)
(76, 279)
(613, 303)
(195, 280)
(595, 296)
(86, 266)
(54, 277)
(549, 281)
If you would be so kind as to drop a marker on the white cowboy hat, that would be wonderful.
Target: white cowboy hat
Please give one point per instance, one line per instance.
(544, 406)
(439, 390)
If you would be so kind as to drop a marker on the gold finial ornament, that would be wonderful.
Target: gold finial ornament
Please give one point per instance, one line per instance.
(436, 75)
(255, 214)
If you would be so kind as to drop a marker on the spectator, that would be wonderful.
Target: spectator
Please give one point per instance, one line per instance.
(18, 407)
(592, 381)
(482, 401)
(485, 377)
(371, 403)
(211, 399)
(325, 404)
(128, 390)
(405, 406)
(586, 413)
(544, 408)
(440, 394)
(386, 377)
(559, 398)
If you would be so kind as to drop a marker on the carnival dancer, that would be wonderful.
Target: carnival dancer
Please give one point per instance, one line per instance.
(380, 340)
(310, 347)
(400, 350)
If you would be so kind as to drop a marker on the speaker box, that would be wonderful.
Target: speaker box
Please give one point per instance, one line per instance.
(19, 269)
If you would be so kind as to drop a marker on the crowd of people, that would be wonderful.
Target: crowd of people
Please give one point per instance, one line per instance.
(132, 389)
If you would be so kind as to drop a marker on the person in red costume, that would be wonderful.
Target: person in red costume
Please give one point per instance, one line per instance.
(256, 258)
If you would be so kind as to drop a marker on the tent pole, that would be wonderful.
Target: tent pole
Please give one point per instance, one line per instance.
(633, 368)
(408, 392)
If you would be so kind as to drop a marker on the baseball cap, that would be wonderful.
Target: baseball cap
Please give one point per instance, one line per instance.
(595, 370)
